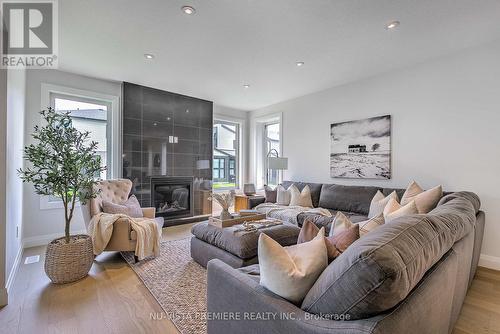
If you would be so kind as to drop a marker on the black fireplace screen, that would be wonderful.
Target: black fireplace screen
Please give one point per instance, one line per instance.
(172, 196)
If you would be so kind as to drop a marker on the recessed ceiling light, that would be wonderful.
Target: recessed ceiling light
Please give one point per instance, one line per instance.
(188, 10)
(392, 25)
(149, 56)
(246, 86)
(299, 63)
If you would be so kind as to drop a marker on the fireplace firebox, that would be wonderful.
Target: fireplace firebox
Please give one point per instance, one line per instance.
(172, 196)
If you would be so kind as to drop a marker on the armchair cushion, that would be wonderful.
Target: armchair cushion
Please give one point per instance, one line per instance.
(115, 191)
(130, 207)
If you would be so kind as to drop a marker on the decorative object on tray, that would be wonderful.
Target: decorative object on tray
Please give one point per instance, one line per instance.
(361, 148)
(65, 165)
(254, 225)
(222, 223)
(225, 200)
(245, 213)
(249, 189)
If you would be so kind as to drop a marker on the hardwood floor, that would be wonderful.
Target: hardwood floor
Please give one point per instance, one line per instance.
(113, 300)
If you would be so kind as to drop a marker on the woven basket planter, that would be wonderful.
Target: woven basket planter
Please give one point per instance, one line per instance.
(66, 263)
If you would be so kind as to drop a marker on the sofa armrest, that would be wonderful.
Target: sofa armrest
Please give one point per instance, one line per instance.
(236, 303)
(149, 212)
(255, 200)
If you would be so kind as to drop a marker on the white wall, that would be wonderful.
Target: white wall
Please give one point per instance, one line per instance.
(3, 168)
(16, 87)
(445, 128)
(43, 225)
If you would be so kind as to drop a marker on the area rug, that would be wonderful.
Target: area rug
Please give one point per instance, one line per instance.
(178, 284)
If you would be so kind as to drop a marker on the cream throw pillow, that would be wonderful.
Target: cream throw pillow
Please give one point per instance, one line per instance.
(300, 198)
(424, 200)
(290, 272)
(379, 202)
(395, 210)
(340, 223)
(371, 224)
(282, 195)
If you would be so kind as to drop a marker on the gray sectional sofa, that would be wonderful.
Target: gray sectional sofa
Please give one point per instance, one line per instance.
(409, 276)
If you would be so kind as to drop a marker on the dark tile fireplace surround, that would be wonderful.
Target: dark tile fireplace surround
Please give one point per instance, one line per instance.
(167, 150)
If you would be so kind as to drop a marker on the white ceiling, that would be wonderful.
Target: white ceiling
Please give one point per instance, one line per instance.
(228, 43)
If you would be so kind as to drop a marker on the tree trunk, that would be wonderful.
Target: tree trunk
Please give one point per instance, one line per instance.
(66, 231)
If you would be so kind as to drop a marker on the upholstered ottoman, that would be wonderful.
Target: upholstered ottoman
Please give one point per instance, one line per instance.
(236, 248)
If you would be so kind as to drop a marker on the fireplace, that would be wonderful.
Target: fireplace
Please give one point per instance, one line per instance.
(172, 196)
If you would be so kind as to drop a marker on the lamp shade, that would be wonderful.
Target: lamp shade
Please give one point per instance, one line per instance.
(277, 163)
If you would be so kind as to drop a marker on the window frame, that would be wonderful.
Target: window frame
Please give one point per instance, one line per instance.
(266, 148)
(113, 132)
(238, 149)
(258, 158)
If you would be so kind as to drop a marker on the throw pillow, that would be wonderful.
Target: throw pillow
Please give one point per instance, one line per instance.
(282, 195)
(290, 272)
(371, 224)
(270, 194)
(379, 202)
(395, 210)
(424, 200)
(335, 245)
(344, 239)
(130, 207)
(300, 198)
(340, 223)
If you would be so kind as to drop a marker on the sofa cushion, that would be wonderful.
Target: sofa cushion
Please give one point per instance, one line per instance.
(326, 222)
(395, 210)
(130, 207)
(371, 224)
(424, 200)
(379, 202)
(335, 245)
(300, 197)
(340, 223)
(347, 198)
(314, 187)
(291, 271)
(379, 270)
(270, 194)
(283, 195)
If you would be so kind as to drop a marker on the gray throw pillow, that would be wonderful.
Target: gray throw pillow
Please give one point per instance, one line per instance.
(270, 194)
(130, 207)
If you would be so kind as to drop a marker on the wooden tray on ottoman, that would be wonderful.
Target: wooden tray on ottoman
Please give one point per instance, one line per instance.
(216, 221)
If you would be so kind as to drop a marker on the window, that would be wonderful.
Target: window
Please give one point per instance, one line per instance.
(226, 154)
(232, 171)
(92, 116)
(272, 145)
(90, 111)
(218, 170)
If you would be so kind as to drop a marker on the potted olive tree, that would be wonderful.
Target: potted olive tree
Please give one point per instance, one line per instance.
(64, 164)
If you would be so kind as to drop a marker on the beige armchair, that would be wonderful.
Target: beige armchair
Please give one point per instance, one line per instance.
(117, 191)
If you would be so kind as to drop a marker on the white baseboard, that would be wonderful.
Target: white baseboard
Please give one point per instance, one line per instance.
(488, 261)
(42, 240)
(14, 270)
